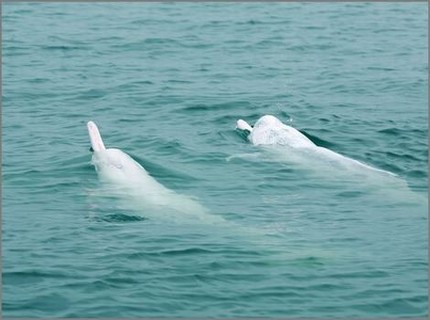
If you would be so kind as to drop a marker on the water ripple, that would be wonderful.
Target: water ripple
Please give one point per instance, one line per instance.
(166, 83)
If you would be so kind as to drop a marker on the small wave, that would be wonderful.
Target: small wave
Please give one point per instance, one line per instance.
(147, 44)
(391, 131)
(398, 307)
(119, 218)
(33, 276)
(217, 107)
(92, 94)
(63, 48)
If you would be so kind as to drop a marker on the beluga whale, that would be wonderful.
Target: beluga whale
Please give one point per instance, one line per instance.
(139, 190)
(290, 144)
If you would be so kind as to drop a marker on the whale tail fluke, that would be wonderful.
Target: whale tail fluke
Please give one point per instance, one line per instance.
(243, 125)
(96, 140)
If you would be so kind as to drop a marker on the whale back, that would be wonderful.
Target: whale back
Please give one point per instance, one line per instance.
(269, 130)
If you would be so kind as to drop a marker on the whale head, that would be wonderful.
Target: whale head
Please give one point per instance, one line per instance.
(115, 166)
(243, 125)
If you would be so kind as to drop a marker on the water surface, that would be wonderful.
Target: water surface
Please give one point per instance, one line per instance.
(166, 83)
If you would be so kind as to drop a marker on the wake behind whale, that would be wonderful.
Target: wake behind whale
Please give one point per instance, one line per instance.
(126, 178)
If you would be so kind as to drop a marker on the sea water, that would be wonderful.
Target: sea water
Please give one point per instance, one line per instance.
(166, 82)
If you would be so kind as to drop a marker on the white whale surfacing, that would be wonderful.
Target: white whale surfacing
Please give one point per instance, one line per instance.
(285, 144)
(291, 145)
(131, 181)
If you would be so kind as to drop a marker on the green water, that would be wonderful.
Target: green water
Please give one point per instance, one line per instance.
(166, 83)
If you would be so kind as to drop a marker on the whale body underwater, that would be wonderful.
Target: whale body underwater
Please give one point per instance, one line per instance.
(291, 145)
(133, 183)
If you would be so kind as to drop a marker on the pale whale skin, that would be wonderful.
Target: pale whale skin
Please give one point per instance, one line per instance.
(137, 187)
(270, 131)
(115, 166)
